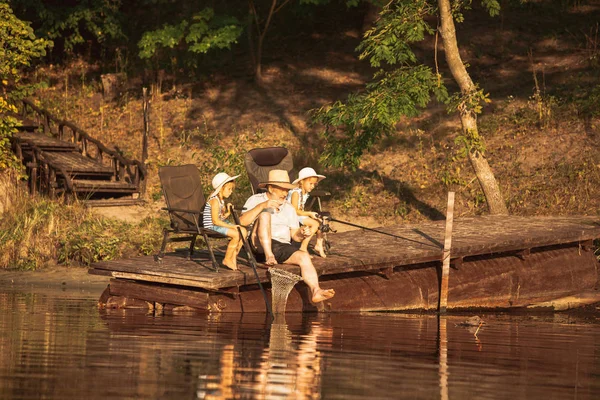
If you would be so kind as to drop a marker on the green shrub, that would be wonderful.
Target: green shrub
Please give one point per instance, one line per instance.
(39, 232)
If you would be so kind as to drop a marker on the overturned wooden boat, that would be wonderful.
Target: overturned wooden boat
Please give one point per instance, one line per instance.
(497, 262)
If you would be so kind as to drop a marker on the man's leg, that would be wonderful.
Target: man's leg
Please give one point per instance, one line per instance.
(310, 277)
(261, 237)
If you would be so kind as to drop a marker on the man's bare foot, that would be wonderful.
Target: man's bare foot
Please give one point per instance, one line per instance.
(270, 259)
(321, 251)
(322, 294)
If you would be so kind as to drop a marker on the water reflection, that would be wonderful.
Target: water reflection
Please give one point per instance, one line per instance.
(283, 371)
(443, 356)
(57, 346)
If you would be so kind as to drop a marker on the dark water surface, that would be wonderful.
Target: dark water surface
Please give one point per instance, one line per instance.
(58, 345)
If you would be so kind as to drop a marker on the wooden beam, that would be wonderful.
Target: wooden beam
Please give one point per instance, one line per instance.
(446, 254)
(159, 294)
(166, 280)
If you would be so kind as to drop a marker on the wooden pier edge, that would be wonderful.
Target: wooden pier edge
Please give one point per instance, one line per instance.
(497, 263)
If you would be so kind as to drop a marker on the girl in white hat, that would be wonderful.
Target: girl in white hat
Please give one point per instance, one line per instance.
(307, 180)
(216, 213)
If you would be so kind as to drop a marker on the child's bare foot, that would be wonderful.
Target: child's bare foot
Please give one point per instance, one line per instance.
(230, 264)
(322, 294)
(321, 251)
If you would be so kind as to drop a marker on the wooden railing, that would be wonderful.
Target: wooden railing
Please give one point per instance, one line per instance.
(124, 169)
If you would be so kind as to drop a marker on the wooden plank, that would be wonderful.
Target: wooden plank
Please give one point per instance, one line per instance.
(44, 142)
(77, 163)
(96, 184)
(446, 254)
(160, 294)
(163, 279)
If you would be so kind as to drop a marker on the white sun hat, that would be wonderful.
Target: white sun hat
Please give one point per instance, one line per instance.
(308, 172)
(219, 180)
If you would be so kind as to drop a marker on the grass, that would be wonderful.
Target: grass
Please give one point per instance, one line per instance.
(39, 232)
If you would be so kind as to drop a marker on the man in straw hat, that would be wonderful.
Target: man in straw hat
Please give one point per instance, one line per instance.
(275, 225)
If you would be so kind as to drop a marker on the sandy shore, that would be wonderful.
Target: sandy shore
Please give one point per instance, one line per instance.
(54, 277)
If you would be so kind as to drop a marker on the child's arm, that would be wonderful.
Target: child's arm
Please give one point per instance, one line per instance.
(214, 214)
(295, 200)
(228, 207)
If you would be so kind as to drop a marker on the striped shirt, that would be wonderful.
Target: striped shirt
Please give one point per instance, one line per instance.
(207, 221)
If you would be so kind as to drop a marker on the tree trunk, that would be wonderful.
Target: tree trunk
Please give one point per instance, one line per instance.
(261, 34)
(258, 78)
(370, 17)
(468, 118)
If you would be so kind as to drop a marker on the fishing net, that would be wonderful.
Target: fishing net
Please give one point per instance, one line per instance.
(282, 283)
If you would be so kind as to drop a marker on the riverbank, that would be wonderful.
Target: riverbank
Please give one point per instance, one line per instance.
(71, 278)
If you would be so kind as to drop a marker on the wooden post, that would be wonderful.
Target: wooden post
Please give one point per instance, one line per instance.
(146, 108)
(446, 254)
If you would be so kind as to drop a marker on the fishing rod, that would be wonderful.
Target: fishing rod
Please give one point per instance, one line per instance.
(252, 261)
(326, 217)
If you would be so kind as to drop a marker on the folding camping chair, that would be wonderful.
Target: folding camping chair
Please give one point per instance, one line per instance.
(185, 200)
(260, 161)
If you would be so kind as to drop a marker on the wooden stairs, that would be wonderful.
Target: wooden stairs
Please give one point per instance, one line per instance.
(61, 159)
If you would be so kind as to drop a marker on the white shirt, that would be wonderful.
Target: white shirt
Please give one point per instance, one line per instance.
(282, 220)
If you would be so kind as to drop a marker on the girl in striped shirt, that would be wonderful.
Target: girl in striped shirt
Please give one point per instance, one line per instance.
(216, 213)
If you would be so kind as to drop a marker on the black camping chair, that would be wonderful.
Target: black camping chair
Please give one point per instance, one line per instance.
(260, 161)
(185, 200)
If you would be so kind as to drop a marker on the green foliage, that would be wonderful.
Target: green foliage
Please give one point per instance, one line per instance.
(588, 101)
(18, 47)
(471, 101)
(203, 33)
(354, 126)
(492, 6)
(457, 7)
(75, 24)
(400, 23)
(39, 231)
(470, 143)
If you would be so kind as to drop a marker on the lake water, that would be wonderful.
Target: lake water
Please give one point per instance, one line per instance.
(58, 345)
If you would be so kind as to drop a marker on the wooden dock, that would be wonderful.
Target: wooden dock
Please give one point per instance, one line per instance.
(497, 261)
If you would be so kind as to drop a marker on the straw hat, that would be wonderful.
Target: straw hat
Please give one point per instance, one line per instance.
(308, 172)
(219, 180)
(279, 178)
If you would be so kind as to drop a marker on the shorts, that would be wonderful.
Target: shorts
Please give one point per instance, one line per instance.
(221, 229)
(281, 251)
